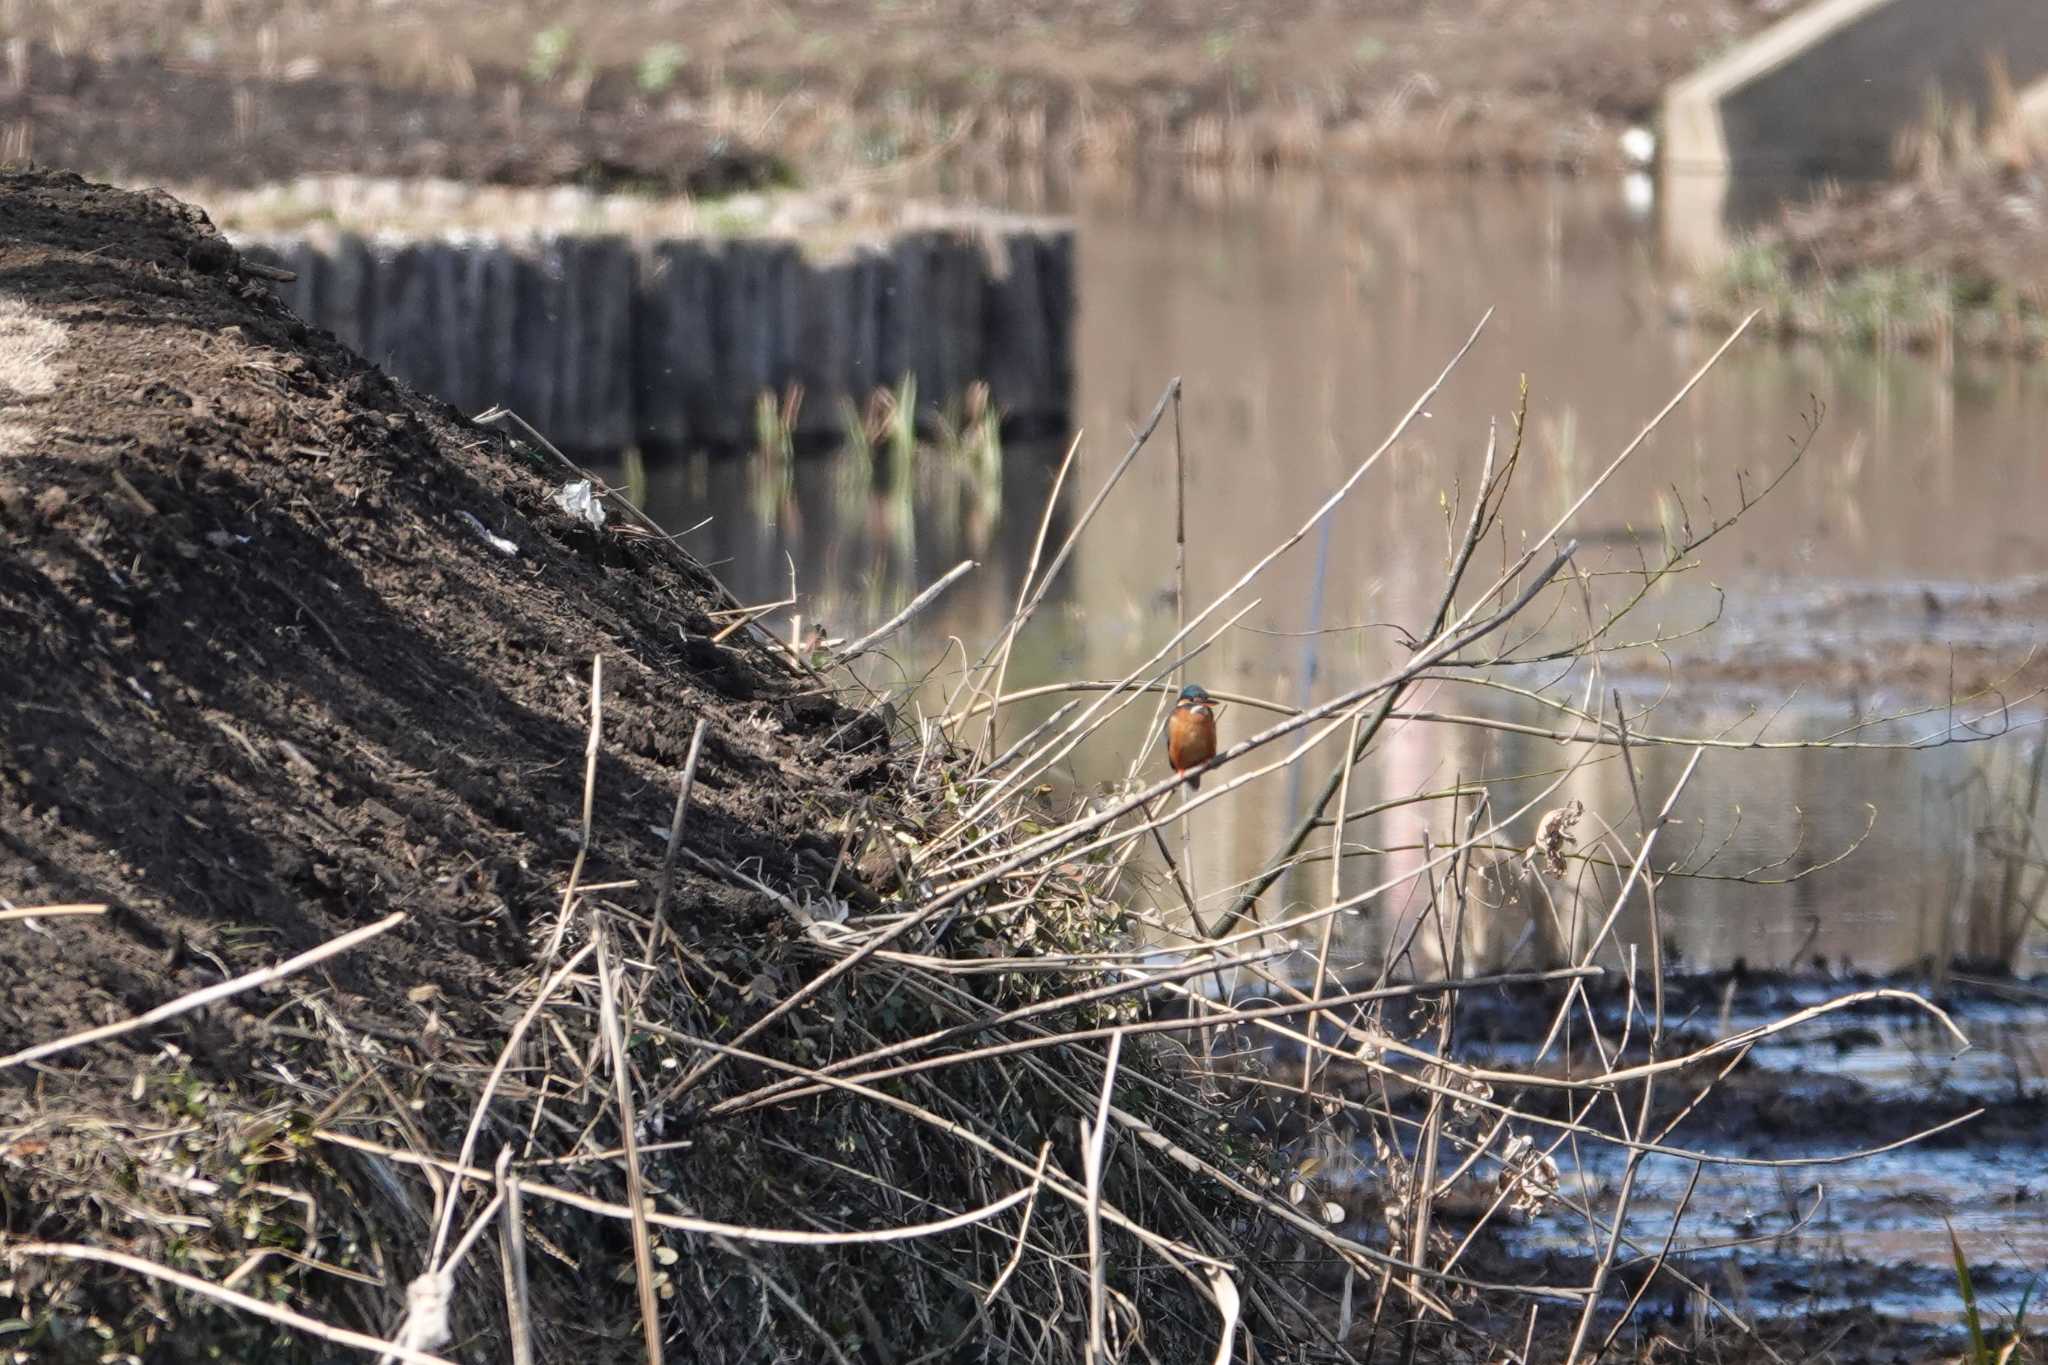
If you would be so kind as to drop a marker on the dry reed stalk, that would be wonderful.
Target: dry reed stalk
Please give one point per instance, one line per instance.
(738, 1232)
(1605, 1264)
(1094, 1136)
(896, 622)
(1026, 608)
(589, 804)
(1308, 1063)
(748, 617)
(185, 1004)
(53, 911)
(622, 1088)
(1180, 597)
(1023, 1228)
(1008, 636)
(1635, 790)
(1421, 1204)
(512, 1256)
(1656, 1264)
(675, 828)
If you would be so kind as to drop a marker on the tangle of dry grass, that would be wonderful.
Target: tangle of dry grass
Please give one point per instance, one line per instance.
(993, 1114)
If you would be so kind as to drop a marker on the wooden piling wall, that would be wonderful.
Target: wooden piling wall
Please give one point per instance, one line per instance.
(609, 341)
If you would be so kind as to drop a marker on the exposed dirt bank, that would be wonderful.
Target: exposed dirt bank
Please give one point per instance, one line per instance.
(271, 677)
(147, 120)
(267, 682)
(294, 652)
(1462, 82)
(1954, 260)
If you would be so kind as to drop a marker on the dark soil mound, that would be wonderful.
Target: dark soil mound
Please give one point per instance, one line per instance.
(292, 651)
(265, 681)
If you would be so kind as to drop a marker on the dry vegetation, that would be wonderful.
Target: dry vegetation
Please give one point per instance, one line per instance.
(1544, 83)
(943, 1098)
(1950, 254)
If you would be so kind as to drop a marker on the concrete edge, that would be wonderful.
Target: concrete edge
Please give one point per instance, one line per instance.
(1693, 140)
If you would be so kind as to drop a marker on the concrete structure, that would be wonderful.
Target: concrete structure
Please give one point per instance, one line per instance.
(608, 341)
(1824, 94)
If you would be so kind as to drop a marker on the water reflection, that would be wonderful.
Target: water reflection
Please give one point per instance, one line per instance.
(1304, 317)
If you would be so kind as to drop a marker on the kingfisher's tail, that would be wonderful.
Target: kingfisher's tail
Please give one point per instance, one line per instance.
(1195, 782)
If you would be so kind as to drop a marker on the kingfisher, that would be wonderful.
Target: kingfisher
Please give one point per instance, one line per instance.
(1191, 733)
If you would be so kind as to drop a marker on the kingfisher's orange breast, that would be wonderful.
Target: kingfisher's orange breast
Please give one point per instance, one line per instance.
(1190, 737)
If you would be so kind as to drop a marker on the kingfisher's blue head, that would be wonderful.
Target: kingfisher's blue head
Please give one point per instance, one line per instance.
(1193, 695)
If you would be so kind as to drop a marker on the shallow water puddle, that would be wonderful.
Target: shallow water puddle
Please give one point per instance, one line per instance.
(1873, 1231)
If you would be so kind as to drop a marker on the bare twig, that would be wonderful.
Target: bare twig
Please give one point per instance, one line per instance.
(895, 623)
(512, 1252)
(1008, 638)
(1095, 1134)
(622, 1089)
(185, 1004)
(589, 802)
(675, 827)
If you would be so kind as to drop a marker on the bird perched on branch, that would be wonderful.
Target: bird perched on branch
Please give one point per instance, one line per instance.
(1191, 733)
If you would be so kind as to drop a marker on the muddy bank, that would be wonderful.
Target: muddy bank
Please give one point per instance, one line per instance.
(1873, 649)
(148, 119)
(1851, 1258)
(297, 653)
(1941, 262)
(845, 85)
(292, 649)
(426, 954)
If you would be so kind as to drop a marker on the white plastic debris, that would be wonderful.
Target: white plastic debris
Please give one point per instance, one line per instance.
(426, 1312)
(496, 542)
(580, 500)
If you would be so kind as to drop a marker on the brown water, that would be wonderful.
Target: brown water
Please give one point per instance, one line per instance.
(1304, 317)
